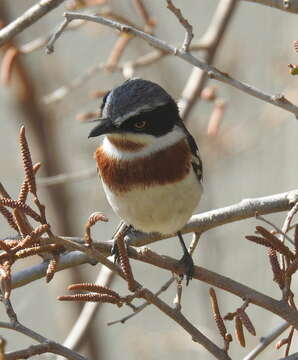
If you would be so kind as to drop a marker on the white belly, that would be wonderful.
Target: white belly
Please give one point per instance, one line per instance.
(164, 209)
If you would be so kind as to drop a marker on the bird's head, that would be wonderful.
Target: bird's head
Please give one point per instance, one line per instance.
(139, 111)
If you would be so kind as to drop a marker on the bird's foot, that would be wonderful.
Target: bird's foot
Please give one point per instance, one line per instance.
(187, 265)
(115, 250)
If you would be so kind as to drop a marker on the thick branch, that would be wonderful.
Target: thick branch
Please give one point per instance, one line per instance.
(198, 223)
(277, 100)
(28, 18)
(245, 209)
(277, 307)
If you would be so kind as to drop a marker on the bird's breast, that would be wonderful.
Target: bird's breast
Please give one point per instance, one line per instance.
(166, 166)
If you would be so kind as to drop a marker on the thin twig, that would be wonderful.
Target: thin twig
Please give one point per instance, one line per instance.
(164, 287)
(183, 21)
(211, 40)
(144, 305)
(266, 341)
(48, 347)
(277, 100)
(28, 18)
(60, 349)
(278, 230)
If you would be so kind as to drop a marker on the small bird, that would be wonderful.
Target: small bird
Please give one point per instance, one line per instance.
(149, 163)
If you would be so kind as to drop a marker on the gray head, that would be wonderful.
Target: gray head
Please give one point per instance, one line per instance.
(137, 106)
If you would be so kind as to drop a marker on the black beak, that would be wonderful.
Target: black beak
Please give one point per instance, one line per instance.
(105, 126)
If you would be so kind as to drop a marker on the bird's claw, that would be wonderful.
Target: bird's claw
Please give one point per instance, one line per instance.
(188, 267)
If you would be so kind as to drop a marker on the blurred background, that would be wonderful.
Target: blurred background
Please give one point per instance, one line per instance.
(249, 149)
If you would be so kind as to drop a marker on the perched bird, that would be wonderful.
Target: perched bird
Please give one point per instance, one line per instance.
(149, 163)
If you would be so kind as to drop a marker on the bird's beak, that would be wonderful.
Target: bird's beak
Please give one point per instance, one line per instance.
(105, 126)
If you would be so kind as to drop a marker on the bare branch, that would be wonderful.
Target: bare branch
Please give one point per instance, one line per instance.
(48, 347)
(57, 348)
(285, 5)
(184, 22)
(266, 341)
(28, 18)
(211, 40)
(279, 308)
(277, 100)
(245, 209)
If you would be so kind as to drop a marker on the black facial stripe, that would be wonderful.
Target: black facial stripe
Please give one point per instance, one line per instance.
(159, 121)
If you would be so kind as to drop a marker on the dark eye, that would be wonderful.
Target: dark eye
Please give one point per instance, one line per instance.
(139, 125)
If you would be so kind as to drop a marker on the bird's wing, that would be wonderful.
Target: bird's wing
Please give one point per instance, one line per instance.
(196, 161)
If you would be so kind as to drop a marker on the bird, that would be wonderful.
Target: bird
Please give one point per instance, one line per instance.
(149, 163)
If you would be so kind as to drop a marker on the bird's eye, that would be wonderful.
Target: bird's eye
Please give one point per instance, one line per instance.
(139, 125)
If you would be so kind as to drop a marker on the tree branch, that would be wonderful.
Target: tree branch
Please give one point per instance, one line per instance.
(277, 100)
(28, 18)
(100, 250)
(285, 5)
(53, 346)
(245, 209)
(267, 340)
(211, 40)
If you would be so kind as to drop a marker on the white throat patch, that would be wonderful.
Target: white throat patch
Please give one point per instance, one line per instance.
(152, 144)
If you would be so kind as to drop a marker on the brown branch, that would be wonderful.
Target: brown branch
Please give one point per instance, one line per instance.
(180, 319)
(163, 288)
(141, 9)
(54, 347)
(216, 117)
(117, 51)
(7, 63)
(277, 307)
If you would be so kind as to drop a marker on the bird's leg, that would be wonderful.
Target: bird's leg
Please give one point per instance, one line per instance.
(186, 259)
(114, 250)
